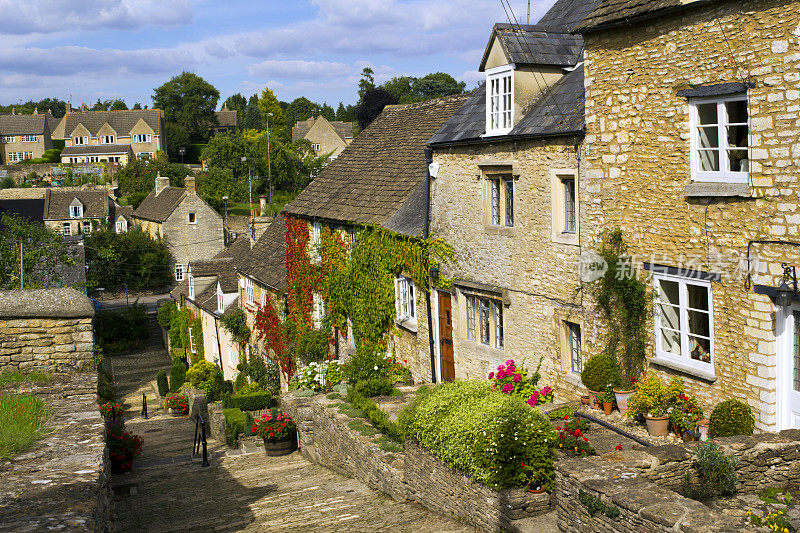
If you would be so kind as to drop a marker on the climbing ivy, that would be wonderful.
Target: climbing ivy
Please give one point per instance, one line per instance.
(301, 276)
(267, 326)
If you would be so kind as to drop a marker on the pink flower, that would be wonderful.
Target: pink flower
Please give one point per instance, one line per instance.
(501, 368)
(535, 394)
(532, 401)
(501, 374)
(491, 375)
(507, 388)
(546, 391)
(517, 378)
(510, 362)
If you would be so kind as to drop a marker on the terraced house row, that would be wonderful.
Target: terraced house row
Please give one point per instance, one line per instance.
(676, 122)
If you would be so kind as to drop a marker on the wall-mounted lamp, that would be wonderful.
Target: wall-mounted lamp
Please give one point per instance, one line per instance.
(786, 293)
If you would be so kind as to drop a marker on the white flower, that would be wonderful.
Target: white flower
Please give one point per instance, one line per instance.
(376, 367)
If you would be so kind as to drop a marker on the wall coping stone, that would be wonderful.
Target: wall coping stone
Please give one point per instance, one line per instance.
(45, 303)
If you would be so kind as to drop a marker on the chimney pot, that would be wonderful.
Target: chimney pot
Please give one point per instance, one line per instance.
(262, 204)
(161, 184)
(188, 182)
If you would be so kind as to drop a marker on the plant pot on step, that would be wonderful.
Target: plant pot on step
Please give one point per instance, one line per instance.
(585, 400)
(594, 403)
(535, 490)
(608, 407)
(280, 447)
(657, 426)
(622, 397)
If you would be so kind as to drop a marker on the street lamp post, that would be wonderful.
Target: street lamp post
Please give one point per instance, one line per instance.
(250, 185)
(182, 151)
(269, 169)
(225, 218)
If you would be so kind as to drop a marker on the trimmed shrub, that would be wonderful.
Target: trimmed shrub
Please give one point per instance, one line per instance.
(165, 313)
(105, 386)
(377, 386)
(239, 382)
(250, 402)
(731, 417)
(235, 424)
(177, 374)
(379, 418)
(600, 371)
(161, 381)
(364, 365)
(715, 474)
(200, 372)
(487, 434)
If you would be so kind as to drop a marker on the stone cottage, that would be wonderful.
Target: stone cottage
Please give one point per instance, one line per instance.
(507, 197)
(325, 136)
(692, 117)
(191, 228)
(77, 212)
(380, 180)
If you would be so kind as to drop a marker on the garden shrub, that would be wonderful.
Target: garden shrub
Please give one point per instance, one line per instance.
(165, 313)
(118, 330)
(378, 417)
(239, 382)
(731, 417)
(161, 381)
(600, 371)
(235, 423)
(217, 387)
(375, 386)
(312, 346)
(715, 474)
(652, 397)
(105, 386)
(177, 374)
(487, 434)
(406, 415)
(250, 388)
(254, 401)
(200, 372)
(365, 364)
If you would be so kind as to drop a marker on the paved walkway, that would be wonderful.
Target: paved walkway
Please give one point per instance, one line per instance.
(169, 490)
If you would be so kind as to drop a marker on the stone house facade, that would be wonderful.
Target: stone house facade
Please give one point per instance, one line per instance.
(507, 198)
(191, 228)
(694, 154)
(324, 135)
(24, 137)
(78, 212)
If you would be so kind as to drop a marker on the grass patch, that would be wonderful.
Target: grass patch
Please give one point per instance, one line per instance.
(349, 410)
(363, 428)
(22, 418)
(279, 199)
(9, 376)
(334, 396)
(388, 445)
(332, 405)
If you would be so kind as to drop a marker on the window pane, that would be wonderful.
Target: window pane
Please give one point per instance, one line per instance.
(495, 185)
(498, 325)
(471, 317)
(699, 323)
(700, 349)
(737, 111)
(698, 297)
(709, 160)
(671, 341)
(484, 321)
(670, 316)
(575, 348)
(668, 291)
(708, 137)
(509, 202)
(707, 113)
(737, 161)
(737, 136)
(569, 205)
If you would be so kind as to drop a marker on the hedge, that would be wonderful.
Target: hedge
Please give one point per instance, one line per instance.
(250, 402)
(235, 422)
(379, 418)
(483, 432)
(177, 374)
(163, 384)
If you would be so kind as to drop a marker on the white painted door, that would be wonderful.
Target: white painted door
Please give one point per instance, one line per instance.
(788, 374)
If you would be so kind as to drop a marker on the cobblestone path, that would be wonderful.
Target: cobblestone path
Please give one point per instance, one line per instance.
(169, 491)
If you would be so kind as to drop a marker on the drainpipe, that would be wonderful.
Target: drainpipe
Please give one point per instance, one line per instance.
(426, 233)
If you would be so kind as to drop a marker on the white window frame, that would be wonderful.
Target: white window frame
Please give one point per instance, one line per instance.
(144, 155)
(470, 322)
(570, 216)
(178, 272)
(191, 285)
(485, 321)
(191, 217)
(500, 100)
(141, 138)
(723, 175)
(574, 346)
(499, 333)
(316, 240)
(319, 310)
(75, 214)
(405, 299)
(315, 147)
(122, 226)
(248, 289)
(80, 140)
(684, 359)
(220, 299)
(106, 139)
(264, 295)
(8, 138)
(66, 228)
(191, 342)
(29, 138)
(87, 227)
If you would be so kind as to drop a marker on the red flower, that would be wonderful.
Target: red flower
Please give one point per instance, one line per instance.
(566, 417)
(578, 433)
(618, 448)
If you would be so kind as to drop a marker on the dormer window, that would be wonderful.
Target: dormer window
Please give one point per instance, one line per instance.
(499, 100)
(75, 211)
(80, 140)
(106, 139)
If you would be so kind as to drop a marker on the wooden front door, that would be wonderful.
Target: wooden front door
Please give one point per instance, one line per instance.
(446, 360)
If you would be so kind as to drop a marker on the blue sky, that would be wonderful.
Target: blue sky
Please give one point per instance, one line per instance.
(92, 49)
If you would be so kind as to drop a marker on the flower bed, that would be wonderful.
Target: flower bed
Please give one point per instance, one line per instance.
(178, 402)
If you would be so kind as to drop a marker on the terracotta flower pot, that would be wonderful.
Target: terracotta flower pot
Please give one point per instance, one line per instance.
(536, 491)
(594, 403)
(657, 426)
(280, 447)
(585, 400)
(622, 397)
(608, 407)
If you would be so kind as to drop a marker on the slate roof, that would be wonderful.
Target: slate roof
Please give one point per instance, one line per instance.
(127, 212)
(159, 208)
(23, 124)
(610, 13)
(377, 173)
(534, 45)
(227, 118)
(222, 268)
(52, 122)
(566, 15)
(96, 203)
(121, 121)
(101, 149)
(266, 261)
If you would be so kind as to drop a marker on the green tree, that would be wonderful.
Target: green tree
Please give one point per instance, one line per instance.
(137, 106)
(119, 105)
(139, 176)
(101, 106)
(300, 109)
(366, 82)
(269, 104)
(346, 113)
(252, 116)
(372, 105)
(177, 136)
(401, 88)
(327, 111)
(409, 89)
(189, 101)
(43, 253)
(133, 258)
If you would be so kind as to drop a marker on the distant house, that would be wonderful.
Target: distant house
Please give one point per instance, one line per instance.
(78, 212)
(124, 219)
(325, 136)
(24, 137)
(227, 119)
(210, 289)
(113, 136)
(191, 228)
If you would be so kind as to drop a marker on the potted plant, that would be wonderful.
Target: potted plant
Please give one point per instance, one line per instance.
(684, 415)
(597, 373)
(177, 405)
(123, 448)
(537, 479)
(279, 432)
(649, 401)
(113, 414)
(608, 400)
(623, 392)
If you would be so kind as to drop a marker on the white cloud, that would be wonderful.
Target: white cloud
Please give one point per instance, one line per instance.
(52, 16)
(299, 69)
(69, 60)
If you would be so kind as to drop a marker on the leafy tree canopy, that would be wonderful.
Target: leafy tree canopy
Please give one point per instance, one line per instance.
(409, 89)
(237, 103)
(43, 252)
(110, 105)
(56, 106)
(139, 176)
(267, 104)
(252, 115)
(189, 101)
(372, 104)
(133, 258)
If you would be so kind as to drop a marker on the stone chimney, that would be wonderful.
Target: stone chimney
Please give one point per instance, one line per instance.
(262, 204)
(188, 182)
(161, 184)
(68, 107)
(13, 110)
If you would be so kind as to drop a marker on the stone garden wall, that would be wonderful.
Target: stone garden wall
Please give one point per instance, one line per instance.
(324, 437)
(47, 330)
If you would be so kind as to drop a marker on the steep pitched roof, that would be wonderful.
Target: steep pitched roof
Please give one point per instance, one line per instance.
(266, 261)
(126, 211)
(159, 208)
(23, 124)
(610, 13)
(96, 203)
(566, 15)
(377, 173)
(534, 45)
(342, 129)
(122, 121)
(222, 268)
